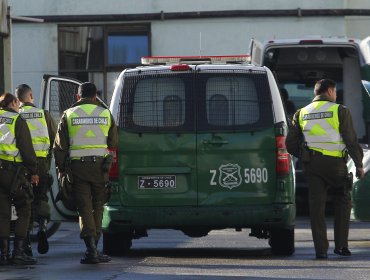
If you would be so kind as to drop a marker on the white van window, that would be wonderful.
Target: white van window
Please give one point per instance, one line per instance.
(300, 94)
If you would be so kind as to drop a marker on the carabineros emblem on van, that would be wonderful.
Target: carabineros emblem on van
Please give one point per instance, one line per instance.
(230, 176)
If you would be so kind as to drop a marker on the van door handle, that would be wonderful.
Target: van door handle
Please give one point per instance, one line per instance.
(215, 142)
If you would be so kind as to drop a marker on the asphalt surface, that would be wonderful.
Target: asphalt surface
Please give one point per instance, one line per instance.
(223, 254)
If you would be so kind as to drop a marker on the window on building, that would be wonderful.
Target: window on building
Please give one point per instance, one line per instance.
(126, 49)
(98, 53)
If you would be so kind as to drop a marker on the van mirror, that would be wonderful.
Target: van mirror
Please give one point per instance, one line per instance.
(366, 85)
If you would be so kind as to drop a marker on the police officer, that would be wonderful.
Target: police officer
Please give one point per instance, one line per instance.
(84, 133)
(43, 130)
(321, 134)
(16, 152)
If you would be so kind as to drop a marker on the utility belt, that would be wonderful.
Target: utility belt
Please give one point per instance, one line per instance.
(9, 165)
(320, 154)
(315, 153)
(89, 159)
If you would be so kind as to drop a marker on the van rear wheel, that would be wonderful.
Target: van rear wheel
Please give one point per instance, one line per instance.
(116, 244)
(282, 241)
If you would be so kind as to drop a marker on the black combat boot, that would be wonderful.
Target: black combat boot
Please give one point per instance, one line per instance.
(27, 247)
(102, 257)
(42, 239)
(4, 252)
(19, 257)
(91, 254)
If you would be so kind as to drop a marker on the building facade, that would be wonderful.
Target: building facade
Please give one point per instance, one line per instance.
(95, 40)
(5, 50)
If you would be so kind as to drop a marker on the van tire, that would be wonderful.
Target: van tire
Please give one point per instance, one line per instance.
(282, 241)
(116, 244)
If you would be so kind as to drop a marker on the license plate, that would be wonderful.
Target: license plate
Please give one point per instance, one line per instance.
(157, 182)
(14, 214)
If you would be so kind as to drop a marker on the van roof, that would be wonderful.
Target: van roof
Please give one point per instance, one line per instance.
(314, 40)
(199, 66)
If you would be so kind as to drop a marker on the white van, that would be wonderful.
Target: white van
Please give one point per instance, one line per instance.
(298, 63)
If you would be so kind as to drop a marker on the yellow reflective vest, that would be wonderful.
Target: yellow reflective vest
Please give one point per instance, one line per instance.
(37, 125)
(320, 126)
(88, 127)
(8, 147)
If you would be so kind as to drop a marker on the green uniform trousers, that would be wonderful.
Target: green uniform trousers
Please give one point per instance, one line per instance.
(40, 205)
(22, 205)
(89, 194)
(324, 172)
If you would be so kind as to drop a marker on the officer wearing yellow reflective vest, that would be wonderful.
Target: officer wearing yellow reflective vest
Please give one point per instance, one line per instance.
(17, 157)
(321, 136)
(84, 133)
(43, 130)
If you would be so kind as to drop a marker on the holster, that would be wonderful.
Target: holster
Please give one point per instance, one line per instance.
(106, 166)
(65, 182)
(107, 191)
(349, 181)
(21, 188)
(107, 163)
(19, 180)
(305, 154)
(65, 187)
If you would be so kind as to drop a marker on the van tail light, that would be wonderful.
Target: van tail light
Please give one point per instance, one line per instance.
(113, 172)
(282, 157)
(311, 42)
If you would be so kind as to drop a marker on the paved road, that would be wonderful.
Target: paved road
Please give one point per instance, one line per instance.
(224, 254)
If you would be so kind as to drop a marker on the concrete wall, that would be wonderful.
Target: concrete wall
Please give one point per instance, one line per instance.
(232, 36)
(79, 7)
(176, 37)
(35, 52)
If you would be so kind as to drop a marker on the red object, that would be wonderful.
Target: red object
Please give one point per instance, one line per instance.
(282, 157)
(113, 172)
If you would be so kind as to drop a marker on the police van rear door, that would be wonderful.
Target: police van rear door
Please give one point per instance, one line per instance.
(157, 140)
(236, 150)
(58, 94)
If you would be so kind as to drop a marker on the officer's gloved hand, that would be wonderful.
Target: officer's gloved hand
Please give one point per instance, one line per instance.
(360, 172)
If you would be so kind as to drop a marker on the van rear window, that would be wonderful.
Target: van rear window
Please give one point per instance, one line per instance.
(185, 102)
(159, 102)
(156, 102)
(231, 101)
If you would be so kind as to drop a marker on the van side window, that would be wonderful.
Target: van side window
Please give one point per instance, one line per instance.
(231, 101)
(158, 102)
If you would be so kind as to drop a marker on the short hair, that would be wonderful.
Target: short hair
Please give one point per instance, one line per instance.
(5, 99)
(87, 90)
(323, 85)
(21, 91)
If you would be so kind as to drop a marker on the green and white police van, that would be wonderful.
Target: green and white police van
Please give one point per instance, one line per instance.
(201, 147)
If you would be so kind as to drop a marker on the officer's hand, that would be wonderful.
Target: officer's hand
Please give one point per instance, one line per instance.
(360, 172)
(61, 175)
(35, 180)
